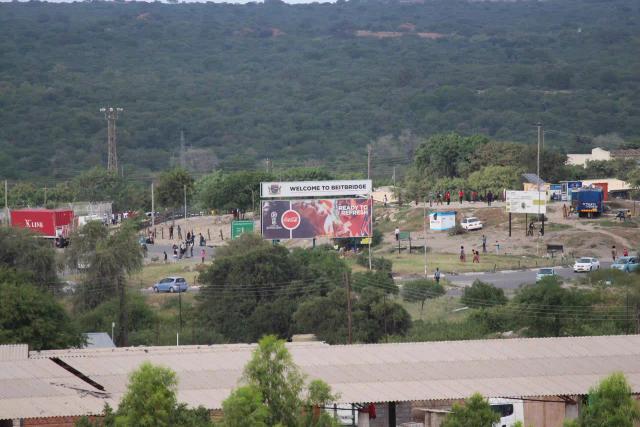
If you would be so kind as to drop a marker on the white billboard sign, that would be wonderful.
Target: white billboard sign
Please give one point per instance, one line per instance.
(532, 202)
(361, 187)
(442, 220)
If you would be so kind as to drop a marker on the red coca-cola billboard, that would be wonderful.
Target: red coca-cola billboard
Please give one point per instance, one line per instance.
(47, 222)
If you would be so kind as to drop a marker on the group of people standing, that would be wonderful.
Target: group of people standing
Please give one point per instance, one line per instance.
(471, 196)
(185, 248)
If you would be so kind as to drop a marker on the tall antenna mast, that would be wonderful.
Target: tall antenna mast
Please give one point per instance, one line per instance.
(111, 114)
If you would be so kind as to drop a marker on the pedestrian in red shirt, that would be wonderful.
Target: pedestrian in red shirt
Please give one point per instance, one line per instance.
(460, 195)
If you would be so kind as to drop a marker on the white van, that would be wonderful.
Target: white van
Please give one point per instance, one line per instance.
(511, 411)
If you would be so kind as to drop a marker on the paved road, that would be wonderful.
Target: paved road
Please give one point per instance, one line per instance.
(509, 280)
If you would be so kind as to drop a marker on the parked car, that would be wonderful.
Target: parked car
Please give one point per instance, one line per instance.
(586, 264)
(545, 272)
(626, 263)
(471, 223)
(171, 284)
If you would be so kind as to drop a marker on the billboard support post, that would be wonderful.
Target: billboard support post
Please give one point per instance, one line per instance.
(509, 224)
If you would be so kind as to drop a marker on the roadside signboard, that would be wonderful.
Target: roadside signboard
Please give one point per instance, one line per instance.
(442, 220)
(531, 202)
(360, 187)
(239, 227)
(308, 219)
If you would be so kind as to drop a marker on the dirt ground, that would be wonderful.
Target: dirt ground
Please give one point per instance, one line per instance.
(580, 237)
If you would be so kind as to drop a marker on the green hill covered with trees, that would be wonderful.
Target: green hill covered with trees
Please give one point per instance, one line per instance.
(306, 83)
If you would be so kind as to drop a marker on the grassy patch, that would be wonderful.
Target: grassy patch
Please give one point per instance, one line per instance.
(414, 263)
(438, 309)
(612, 223)
(552, 226)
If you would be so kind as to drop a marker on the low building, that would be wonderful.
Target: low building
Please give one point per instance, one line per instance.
(408, 382)
(582, 159)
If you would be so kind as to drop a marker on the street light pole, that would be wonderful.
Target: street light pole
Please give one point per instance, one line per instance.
(424, 228)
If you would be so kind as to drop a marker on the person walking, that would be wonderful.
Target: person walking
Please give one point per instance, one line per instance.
(397, 233)
(489, 198)
(614, 253)
(463, 257)
(385, 200)
(447, 197)
(165, 256)
(436, 275)
(171, 232)
(484, 244)
(476, 257)
(203, 254)
(497, 248)
(625, 252)
(461, 195)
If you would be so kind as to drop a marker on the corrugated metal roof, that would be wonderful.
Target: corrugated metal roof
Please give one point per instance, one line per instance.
(359, 373)
(14, 352)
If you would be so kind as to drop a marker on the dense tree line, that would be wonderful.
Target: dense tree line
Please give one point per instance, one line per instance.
(304, 83)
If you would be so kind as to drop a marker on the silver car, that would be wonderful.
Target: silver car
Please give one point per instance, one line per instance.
(545, 272)
(171, 284)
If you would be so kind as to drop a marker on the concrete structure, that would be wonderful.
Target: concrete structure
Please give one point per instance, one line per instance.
(582, 159)
(99, 340)
(406, 381)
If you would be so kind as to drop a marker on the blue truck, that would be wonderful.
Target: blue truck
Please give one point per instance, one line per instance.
(588, 201)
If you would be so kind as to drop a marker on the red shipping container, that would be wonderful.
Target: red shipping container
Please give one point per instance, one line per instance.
(605, 189)
(41, 221)
(63, 217)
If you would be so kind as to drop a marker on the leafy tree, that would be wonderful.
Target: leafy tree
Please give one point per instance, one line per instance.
(272, 371)
(98, 184)
(235, 190)
(446, 155)
(253, 288)
(421, 290)
(557, 318)
(495, 179)
(272, 395)
(30, 316)
(379, 279)
(245, 408)
(150, 398)
(22, 251)
(611, 403)
(481, 294)
(172, 186)
(106, 260)
(476, 412)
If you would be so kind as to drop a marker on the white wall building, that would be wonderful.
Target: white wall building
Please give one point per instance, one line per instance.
(582, 159)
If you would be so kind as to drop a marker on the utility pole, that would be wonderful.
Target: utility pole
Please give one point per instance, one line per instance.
(424, 229)
(111, 114)
(153, 207)
(45, 196)
(369, 151)
(184, 187)
(180, 309)
(346, 281)
(540, 142)
(394, 176)
(183, 160)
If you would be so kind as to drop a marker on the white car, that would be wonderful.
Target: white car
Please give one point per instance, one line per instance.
(471, 223)
(586, 264)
